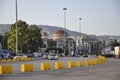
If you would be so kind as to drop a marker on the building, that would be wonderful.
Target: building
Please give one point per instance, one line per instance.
(60, 34)
(84, 45)
(71, 46)
(45, 39)
(60, 37)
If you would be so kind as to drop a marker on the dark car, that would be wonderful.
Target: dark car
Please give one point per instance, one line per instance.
(29, 55)
(0, 56)
(85, 55)
(5, 56)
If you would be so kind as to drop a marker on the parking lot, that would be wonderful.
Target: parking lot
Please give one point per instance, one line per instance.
(110, 70)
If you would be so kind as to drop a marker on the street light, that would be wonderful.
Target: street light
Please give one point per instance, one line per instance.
(16, 28)
(79, 34)
(64, 9)
(80, 25)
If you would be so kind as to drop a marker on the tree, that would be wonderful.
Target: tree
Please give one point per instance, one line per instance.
(51, 43)
(114, 43)
(29, 37)
(1, 41)
(34, 38)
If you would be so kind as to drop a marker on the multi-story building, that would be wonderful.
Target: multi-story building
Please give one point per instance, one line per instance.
(88, 44)
(60, 37)
(45, 39)
(83, 45)
(71, 46)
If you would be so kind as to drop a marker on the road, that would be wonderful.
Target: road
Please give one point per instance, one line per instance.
(110, 70)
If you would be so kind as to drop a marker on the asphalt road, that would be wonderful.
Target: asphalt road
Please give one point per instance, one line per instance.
(110, 70)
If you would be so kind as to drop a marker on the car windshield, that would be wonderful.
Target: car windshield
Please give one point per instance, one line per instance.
(53, 55)
(19, 55)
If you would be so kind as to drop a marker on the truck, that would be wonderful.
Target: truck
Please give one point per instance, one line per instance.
(117, 51)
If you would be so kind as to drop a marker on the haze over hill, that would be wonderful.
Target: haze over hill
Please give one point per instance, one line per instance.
(45, 28)
(51, 29)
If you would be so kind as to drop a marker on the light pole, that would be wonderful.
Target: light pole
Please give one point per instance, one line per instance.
(80, 24)
(16, 27)
(64, 9)
(79, 34)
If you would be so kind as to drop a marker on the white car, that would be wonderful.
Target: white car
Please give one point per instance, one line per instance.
(53, 56)
(20, 56)
(45, 56)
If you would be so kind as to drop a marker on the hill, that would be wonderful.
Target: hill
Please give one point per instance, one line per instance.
(45, 28)
(52, 29)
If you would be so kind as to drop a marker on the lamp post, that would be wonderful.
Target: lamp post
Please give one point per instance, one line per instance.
(64, 9)
(16, 27)
(79, 33)
(80, 24)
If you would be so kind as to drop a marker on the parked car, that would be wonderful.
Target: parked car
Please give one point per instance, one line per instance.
(53, 56)
(29, 55)
(0, 56)
(20, 56)
(36, 54)
(85, 55)
(5, 55)
(45, 56)
(11, 55)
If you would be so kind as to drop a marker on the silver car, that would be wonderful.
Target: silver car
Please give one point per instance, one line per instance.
(53, 56)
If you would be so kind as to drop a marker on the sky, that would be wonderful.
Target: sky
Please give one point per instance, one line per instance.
(99, 17)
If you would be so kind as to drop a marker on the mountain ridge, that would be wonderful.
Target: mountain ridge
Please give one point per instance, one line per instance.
(45, 28)
(52, 29)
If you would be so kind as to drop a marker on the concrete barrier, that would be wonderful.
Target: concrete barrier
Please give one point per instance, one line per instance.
(79, 63)
(5, 69)
(45, 66)
(26, 67)
(58, 65)
(3, 60)
(88, 63)
(9, 60)
(71, 64)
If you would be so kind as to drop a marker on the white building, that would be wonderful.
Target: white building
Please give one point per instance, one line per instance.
(60, 37)
(45, 39)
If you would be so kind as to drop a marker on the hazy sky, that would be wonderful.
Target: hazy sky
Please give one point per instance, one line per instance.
(99, 17)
